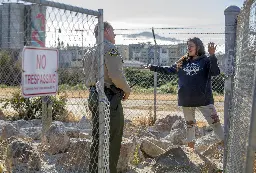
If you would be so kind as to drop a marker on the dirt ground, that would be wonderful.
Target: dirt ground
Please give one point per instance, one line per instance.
(138, 105)
(7, 92)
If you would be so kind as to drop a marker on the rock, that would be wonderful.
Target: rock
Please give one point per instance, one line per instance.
(177, 137)
(32, 132)
(153, 147)
(2, 116)
(21, 157)
(2, 123)
(215, 153)
(146, 163)
(152, 132)
(84, 135)
(179, 124)
(9, 130)
(84, 123)
(204, 142)
(166, 123)
(36, 122)
(126, 154)
(181, 159)
(57, 138)
(73, 132)
(22, 124)
(76, 159)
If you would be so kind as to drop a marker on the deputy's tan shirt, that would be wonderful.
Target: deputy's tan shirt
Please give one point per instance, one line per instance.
(113, 67)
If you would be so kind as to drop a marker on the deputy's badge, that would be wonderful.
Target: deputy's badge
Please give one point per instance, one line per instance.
(113, 52)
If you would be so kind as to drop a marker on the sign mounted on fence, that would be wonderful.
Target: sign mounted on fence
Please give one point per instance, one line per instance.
(39, 76)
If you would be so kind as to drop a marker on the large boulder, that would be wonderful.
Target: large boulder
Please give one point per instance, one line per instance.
(126, 154)
(57, 140)
(9, 130)
(181, 159)
(22, 124)
(177, 137)
(22, 157)
(32, 132)
(203, 143)
(36, 123)
(165, 124)
(154, 148)
(76, 159)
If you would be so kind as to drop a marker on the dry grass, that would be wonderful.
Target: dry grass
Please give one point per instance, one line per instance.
(143, 121)
(201, 124)
(70, 117)
(7, 92)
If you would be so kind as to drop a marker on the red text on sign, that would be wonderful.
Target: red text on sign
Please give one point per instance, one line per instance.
(41, 62)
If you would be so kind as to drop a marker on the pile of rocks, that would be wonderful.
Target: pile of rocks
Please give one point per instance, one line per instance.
(66, 147)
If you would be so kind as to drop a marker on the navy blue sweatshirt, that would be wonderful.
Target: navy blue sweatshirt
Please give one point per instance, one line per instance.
(194, 79)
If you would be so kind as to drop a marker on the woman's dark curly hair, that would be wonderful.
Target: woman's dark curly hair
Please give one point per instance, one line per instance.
(200, 51)
(199, 45)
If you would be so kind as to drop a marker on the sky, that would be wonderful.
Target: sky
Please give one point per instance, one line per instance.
(160, 13)
(202, 15)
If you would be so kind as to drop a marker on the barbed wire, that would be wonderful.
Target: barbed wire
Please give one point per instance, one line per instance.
(159, 28)
(202, 33)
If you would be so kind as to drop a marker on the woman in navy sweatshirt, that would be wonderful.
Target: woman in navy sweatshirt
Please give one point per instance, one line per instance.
(194, 72)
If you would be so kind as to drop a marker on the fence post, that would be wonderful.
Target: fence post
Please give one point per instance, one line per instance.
(156, 62)
(231, 14)
(251, 146)
(100, 43)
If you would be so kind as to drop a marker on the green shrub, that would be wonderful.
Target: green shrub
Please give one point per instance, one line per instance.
(71, 77)
(31, 108)
(10, 71)
(169, 88)
(145, 78)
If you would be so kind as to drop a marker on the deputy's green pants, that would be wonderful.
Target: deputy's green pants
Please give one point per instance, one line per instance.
(116, 131)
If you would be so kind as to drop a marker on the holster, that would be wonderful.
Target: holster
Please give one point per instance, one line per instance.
(115, 95)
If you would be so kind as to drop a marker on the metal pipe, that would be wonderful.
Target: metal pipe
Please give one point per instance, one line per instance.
(65, 7)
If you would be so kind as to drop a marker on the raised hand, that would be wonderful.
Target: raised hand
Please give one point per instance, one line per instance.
(211, 48)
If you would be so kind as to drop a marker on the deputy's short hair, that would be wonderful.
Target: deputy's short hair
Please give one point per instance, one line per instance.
(107, 25)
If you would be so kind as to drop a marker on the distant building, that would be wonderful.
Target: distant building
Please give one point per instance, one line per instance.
(71, 56)
(134, 64)
(142, 52)
(124, 51)
(176, 52)
(163, 55)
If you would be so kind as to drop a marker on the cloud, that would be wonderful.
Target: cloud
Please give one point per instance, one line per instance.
(149, 35)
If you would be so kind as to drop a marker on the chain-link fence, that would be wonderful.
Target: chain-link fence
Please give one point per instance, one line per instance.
(153, 103)
(57, 133)
(242, 101)
(78, 138)
(140, 51)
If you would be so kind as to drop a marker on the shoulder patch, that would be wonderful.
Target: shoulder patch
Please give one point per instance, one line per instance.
(113, 52)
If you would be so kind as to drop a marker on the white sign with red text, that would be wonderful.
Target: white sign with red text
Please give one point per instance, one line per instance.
(39, 77)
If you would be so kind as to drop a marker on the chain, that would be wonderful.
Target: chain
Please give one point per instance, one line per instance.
(106, 109)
